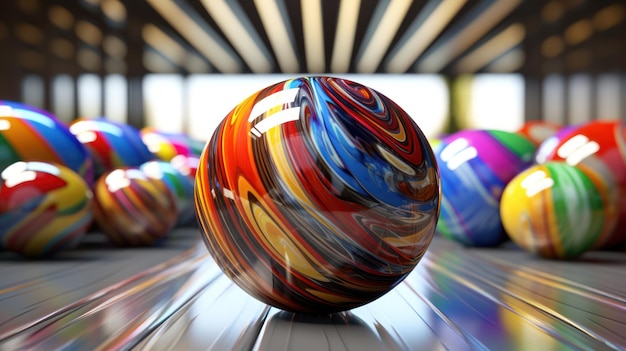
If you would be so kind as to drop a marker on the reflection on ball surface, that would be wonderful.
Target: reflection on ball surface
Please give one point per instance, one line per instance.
(44, 208)
(317, 195)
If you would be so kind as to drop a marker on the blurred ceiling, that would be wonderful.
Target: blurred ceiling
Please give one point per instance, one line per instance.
(312, 36)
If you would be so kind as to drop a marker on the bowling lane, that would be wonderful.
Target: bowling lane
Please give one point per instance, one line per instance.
(174, 297)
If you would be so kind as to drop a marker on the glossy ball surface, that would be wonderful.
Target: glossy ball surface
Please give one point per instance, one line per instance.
(44, 208)
(132, 208)
(167, 145)
(111, 144)
(317, 195)
(600, 146)
(31, 134)
(475, 166)
(180, 186)
(556, 210)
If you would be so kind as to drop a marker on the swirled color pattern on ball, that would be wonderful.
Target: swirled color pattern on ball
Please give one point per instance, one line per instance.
(475, 166)
(132, 208)
(44, 208)
(601, 146)
(111, 144)
(31, 134)
(557, 210)
(317, 194)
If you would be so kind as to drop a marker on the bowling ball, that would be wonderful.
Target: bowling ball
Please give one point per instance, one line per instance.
(600, 146)
(317, 194)
(557, 210)
(132, 208)
(475, 166)
(44, 208)
(111, 144)
(31, 134)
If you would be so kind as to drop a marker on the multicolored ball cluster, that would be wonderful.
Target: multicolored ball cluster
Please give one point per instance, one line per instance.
(44, 208)
(317, 194)
(568, 199)
(44, 215)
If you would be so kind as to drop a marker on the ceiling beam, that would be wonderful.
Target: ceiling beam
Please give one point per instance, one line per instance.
(199, 37)
(236, 26)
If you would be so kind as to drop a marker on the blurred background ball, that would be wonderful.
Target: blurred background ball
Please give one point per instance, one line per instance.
(600, 146)
(167, 145)
(475, 166)
(111, 144)
(317, 195)
(180, 185)
(31, 134)
(133, 209)
(44, 208)
(557, 210)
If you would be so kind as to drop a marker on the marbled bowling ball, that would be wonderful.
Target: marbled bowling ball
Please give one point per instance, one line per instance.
(180, 185)
(317, 195)
(475, 166)
(44, 208)
(167, 145)
(31, 134)
(538, 131)
(601, 146)
(557, 210)
(132, 208)
(111, 144)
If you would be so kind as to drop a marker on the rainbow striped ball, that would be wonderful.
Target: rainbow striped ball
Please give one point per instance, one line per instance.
(132, 208)
(44, 208)
(557, 210)
(475, 166)
(317, 194)
(31, 134)
(180, 185)
(111, 144)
